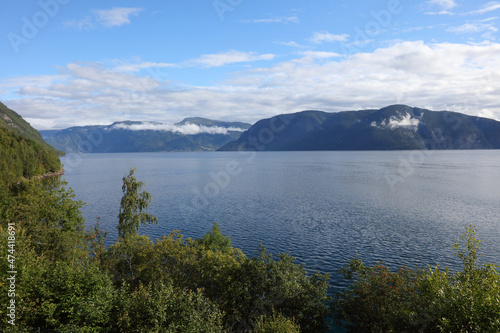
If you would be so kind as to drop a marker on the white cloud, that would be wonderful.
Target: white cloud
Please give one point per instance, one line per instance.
(311, 55)
(322, 37)
(186, 129)
(84, 24)
(404, 121)
(486, 27)
(291, 44)
(135, 67)
(400, 121)
(443, 4)
(473, 27)
(289, 19)
(115, 17)
(229, 57)
(107, 18)
(490, 6)
(443, 7)
(441, 76)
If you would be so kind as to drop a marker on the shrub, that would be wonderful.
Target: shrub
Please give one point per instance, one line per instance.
(415, 300)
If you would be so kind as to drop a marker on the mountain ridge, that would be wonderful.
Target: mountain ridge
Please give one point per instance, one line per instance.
(395, 127)
(191, 134)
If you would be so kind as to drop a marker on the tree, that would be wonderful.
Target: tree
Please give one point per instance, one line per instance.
(277, 323)
(418, 300)
(46, 209)
(214, 240)
(165, 308)
(132, 207)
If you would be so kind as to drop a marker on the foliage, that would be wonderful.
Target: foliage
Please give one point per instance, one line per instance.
(95, 239)
(244, 288)
(66, 296)
(58, 295)
(277, 323)
(214, 240)
(163, 308)
(21, 157)
(46, 209)
(132, 207)
(9, 119)
(415, 300)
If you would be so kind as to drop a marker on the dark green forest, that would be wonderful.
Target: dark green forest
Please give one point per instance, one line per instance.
(57, 274)
(21, 157)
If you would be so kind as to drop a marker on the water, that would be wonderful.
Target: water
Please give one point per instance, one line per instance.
(401, 207)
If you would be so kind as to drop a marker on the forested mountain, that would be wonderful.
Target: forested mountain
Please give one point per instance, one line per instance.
(13, 121)
(394, 127)
(191, 134)
(23, 153)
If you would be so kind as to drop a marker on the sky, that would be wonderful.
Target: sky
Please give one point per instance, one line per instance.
(73, 63)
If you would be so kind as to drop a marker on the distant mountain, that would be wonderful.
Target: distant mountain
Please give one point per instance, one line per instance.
(395, 127)
(23, 153)
(191, 134)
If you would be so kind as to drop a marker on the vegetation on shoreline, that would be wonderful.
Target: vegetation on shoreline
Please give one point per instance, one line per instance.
(21, 157)
(68, 281)
(423, 300)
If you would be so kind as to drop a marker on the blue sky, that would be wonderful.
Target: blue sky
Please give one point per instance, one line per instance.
(68, 63)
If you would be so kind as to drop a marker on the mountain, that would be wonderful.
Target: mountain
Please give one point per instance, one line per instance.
(11, 120)
(23, 153)
(395, 127)
(191, 134)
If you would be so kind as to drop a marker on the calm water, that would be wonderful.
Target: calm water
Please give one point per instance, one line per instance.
(322, 207)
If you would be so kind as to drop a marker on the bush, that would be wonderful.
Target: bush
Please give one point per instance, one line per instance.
(163, 308)
(277, 323)
(416, 300)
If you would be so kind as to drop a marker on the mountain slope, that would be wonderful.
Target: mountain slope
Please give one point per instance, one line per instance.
(191, 134)
(11, 120)
(395, 127)
(23, 153)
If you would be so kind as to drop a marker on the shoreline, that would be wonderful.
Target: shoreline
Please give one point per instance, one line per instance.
(45, 175)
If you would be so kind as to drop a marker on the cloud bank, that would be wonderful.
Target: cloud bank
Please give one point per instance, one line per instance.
(186, 129)
(437, 76)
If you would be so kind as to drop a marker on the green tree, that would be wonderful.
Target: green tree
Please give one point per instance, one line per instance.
(164, 308)
(132, 207)
(214, 240)
(277, 323)
(417, 300)
(245, 289)
(48, 213)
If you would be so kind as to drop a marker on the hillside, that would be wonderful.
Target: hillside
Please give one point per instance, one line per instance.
(23, 153)
(9, 119)
(396, 127)
(191, 134)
